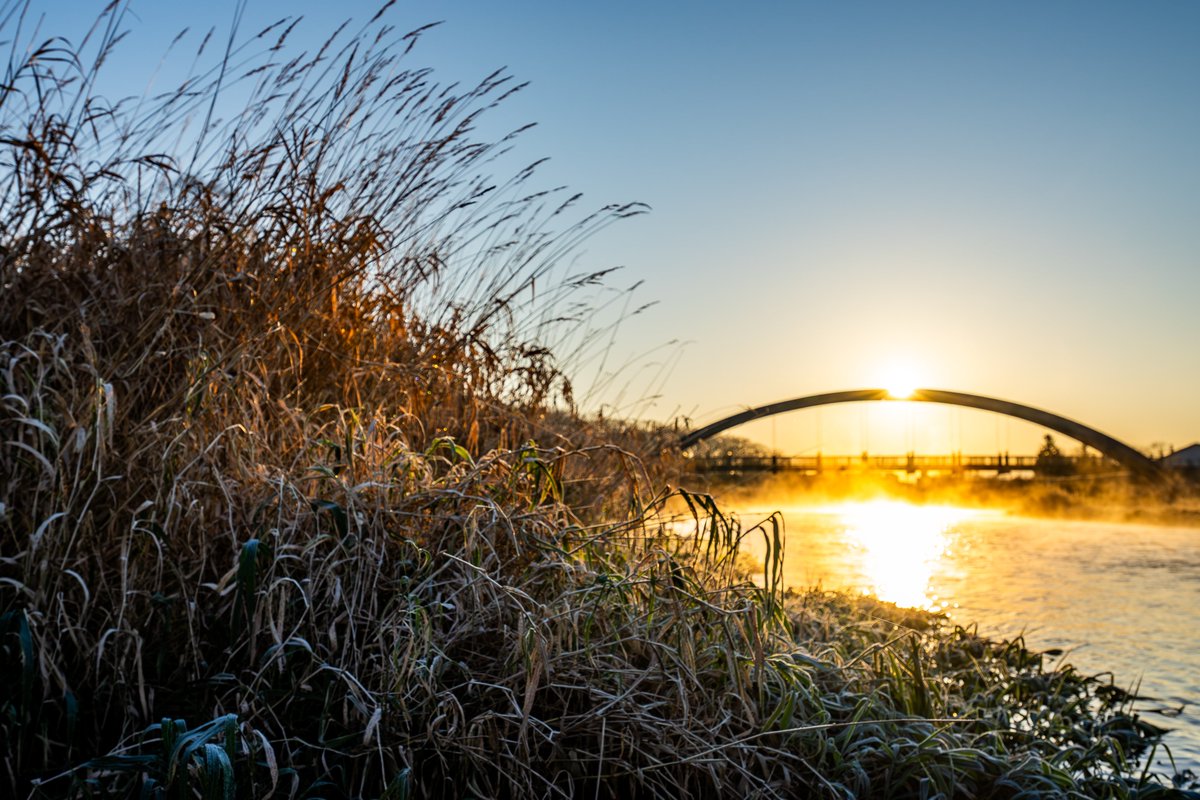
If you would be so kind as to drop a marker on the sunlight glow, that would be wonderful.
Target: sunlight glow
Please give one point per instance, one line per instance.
(900, 381)
(898, 545)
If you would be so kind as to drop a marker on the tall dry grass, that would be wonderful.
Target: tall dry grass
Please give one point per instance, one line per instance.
(294, 501)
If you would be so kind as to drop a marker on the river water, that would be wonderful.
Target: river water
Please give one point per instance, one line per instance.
(1120, 598)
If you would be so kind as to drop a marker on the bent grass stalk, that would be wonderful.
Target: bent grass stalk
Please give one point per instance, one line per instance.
(294, 500)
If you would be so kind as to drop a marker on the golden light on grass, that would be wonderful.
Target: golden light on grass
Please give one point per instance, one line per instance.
(355, 408)
(898, 545)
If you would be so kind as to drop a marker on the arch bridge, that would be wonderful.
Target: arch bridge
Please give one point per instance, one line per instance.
(1118, 451)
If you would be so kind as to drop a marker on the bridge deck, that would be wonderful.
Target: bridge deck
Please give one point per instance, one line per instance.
(1000, 463)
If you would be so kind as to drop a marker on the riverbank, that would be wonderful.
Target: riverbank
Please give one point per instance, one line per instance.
(1110, 597)
(295, 500)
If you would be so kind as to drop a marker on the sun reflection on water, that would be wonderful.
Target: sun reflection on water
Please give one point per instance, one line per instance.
(897, 547)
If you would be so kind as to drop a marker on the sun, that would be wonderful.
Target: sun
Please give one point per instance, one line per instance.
(900, 381)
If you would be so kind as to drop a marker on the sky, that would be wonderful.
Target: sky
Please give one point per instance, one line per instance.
(995, 198)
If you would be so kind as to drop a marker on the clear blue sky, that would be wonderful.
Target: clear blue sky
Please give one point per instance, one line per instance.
(1005, 196)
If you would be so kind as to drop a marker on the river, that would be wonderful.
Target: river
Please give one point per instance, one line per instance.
(1120, 598)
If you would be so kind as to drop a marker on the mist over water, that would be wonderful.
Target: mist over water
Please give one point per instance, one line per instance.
(1116, 597)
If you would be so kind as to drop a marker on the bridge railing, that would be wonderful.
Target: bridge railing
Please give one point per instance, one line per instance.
(1001, 463)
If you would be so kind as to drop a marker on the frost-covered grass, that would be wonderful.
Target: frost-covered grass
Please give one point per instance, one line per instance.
(294, 500)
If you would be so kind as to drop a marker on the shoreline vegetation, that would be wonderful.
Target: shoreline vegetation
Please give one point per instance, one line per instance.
(295, 500)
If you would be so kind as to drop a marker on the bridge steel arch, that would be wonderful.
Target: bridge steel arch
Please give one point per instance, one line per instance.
(1115, 449)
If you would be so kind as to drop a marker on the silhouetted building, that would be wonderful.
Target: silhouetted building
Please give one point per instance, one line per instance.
(1188, 458)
